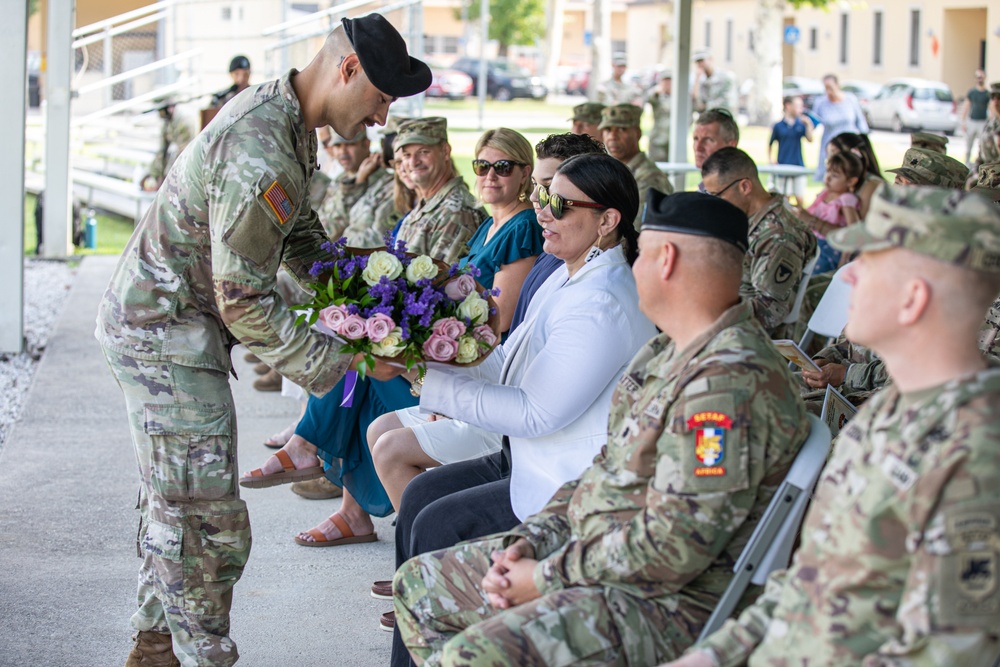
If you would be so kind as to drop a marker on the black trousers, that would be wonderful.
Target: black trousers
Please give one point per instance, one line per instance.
(447, 505)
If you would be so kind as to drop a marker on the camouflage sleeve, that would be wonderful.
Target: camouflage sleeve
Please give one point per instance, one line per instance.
(374, 214)
(332, 214)
(302, 247)
(548, 529)
(776, 263)
(989, 342)
(655, 550)
(868, 376)
(835, 353)
(183, 134)
(352, 191)
(450, 240)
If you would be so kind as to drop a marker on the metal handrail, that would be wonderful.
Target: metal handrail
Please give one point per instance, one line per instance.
(102, 25)
(327, 12)
(123, 28)
(137, 71)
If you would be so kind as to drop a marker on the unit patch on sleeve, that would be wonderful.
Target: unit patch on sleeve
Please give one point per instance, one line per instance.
(278, 200)
(710, 442)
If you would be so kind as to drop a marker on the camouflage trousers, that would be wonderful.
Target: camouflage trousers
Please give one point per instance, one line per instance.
(194, 532)
(445, 619)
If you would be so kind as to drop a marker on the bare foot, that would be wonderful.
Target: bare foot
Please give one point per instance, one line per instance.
(359, 523)
(301, 451)
(281, 438)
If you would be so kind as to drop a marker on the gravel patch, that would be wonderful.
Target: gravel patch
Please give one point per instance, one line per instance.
(47, 284)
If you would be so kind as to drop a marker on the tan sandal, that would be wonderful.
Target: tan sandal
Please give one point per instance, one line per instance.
(256, 479)
(347, 536)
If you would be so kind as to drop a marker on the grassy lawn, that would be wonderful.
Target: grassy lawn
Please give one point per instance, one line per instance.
(113, 232)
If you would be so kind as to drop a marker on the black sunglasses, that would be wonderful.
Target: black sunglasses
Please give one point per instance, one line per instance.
(723, 190)
(503, 168)
(558, 204)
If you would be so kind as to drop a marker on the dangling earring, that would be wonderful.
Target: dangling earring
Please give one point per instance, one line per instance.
(522, 197)
(595, 250)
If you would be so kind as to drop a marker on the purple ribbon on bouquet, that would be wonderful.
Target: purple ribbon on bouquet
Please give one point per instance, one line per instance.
(350, 382)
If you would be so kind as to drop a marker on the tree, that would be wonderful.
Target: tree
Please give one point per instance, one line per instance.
(512, 21)
(768, 37)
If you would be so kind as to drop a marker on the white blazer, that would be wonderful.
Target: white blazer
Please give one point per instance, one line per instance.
(559, 369)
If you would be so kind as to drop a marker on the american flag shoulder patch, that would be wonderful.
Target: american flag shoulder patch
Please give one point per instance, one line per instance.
(279, 202)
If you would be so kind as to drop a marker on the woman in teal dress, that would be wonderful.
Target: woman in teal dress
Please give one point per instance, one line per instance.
(503, 249)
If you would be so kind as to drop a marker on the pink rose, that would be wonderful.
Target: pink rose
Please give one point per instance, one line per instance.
(440, 348)
(484, 333)
(353, 328)
(378, 327)
(460, 287)
(450, 327)
(333, 317)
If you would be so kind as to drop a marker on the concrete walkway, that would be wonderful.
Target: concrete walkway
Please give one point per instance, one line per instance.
(68, 565)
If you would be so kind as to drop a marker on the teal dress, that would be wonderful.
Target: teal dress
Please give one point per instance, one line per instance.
(340, 433)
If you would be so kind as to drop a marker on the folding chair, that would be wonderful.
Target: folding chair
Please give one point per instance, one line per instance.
(830, 315)
(800, 295)
(770, 545)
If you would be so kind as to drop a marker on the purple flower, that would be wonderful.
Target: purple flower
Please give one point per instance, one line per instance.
(440, 348)
(460, 287)
(353, 328)
(450, 327)
(333, 317)
(379, 326)
(484, 333)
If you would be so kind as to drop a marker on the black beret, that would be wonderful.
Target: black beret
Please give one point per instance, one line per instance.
(239, 62)
(695, 213)
(383, 56)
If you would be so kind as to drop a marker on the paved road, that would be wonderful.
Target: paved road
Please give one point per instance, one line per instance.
(67, 527)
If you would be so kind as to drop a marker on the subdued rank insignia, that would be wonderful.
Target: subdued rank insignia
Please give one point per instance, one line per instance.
(710, 442)
(278, 200)
(782, 274)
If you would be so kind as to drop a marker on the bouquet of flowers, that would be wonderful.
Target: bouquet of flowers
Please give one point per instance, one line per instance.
(397, 305)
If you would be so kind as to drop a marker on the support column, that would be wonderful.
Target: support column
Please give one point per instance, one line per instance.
(58, 75)
(680, 99)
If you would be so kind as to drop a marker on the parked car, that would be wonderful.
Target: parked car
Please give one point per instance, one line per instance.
(451, 84)
(914, 104)
(504, 80)
(808, 89)
(865, 91)
(578, 82)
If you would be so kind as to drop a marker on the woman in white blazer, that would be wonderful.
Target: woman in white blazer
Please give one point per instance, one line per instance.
(549, 387)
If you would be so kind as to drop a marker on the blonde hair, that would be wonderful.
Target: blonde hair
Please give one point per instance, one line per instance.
(514, 145)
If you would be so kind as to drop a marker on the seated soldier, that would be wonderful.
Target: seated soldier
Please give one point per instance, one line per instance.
(627, 562)
(898, 559)
(926, 167)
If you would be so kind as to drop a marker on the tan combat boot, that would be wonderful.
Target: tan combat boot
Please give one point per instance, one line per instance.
(152, 649)
(270, 381)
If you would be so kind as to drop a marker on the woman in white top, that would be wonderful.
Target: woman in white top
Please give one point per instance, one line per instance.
(549, 386)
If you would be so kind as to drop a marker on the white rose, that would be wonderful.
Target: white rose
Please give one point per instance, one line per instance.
(421, 268)
(475, 308)
(391, 345)
(380, 264)
(468, 350)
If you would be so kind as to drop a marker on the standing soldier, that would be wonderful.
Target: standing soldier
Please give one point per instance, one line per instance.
(197, 278)
(174, 138)
(615, 90)
(446, 215)
(900, 549)
(714, 88)
(239, 72)
(658, 100)
(624, 565)
(620, 133)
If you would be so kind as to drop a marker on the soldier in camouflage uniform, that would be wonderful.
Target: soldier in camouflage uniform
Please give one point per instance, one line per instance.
(174, 138)
(899, 562)
(624, 565)
(714, 88)
(927, 167)
(362, 170)
(929, 141)
(586, 118)
(780, 244)
(198, 277)
(620, 133)
(615, 90)
(658, 99)
(446, 215)
(988, 184)
(239, 71)
(989, 138)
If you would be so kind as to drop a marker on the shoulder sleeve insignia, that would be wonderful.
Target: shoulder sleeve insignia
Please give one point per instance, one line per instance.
(710, 442)
(782, 273)
(279, 202)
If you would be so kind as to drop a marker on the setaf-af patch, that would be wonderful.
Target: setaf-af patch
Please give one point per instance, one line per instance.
(710, 430)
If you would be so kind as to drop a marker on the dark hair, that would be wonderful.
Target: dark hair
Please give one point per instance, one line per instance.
(858, 143)
(788, 99)
(832, 77)
(387, 155)
(565, 146)
(729, 162)
(609, 183)
(849, 164)
(728, 129)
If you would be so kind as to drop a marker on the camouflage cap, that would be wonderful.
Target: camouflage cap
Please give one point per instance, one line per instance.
(995, 88)
(620, 115)
(961, 228)
(927, 167)
(929, 141)
(429, 131)
(700, 55)
(989, 180)
(619, 59)
(392, 124)
(336, 139)
(588, 112)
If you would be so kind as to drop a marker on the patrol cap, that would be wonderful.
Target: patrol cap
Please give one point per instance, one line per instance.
(961, 228)
(995, 88)
(930, 141)
(619, 59)
(392, 124)
(989, 180)
(239, 62)
(695, 213)
(620, 115)
(665, 74)
(428, 131)
(383, 56)
(927, 167)
(588, 112)
(698, 56)
(337, 140)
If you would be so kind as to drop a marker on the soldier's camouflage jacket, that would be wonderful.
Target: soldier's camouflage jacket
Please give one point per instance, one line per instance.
(375, 213)
(442, 225)
(198, 274)
(174, 138)
(698, 440)
(900, 557)
(718, 91)
(647, 175)
(866, 372)
(342, 194)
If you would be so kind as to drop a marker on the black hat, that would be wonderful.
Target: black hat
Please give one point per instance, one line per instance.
(695, 213)
(239, 62)
(383, 56)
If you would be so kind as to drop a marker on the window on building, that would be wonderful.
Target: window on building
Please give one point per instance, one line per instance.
(708, 34)
(729, 40)
(619, 46)
(844, 38)
(914, 38)
(877, 38)
(750, 43)
(813, 39)
(450, 45)
(227, 13)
